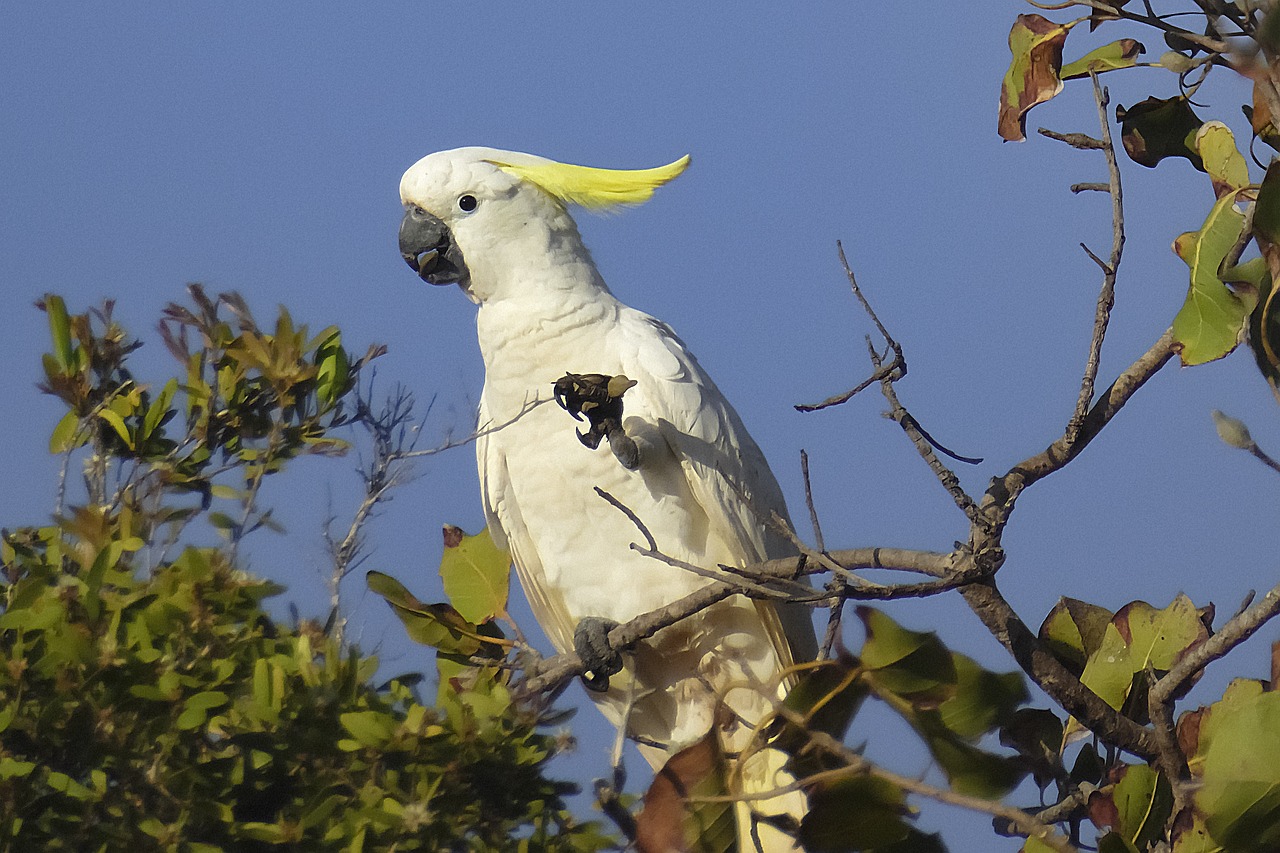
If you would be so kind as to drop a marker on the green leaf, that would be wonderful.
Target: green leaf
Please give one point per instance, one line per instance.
(333, 370)
(436, 625)
(910, 664)
(1036, 733)
(1073, 630)
(12, 768)
(1114, 842)
(1032, 78)
(476, 574)
(1157, 128)
(1221, 158)
(1137, 807)
(854, 813)
(1035, 845)
(983, 700)
(159, 408)
(1139, 636)
(117, 423)
(1213, 318)
(1239, 763)
(369, 728)
(916, 675)
(67, 434)
(1110, 57)
(1264, 322)
(196, 709)
(60, 329)
(827, 695)
(1193, 837)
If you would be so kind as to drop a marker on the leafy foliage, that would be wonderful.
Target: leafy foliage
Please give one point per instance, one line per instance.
(150, 702)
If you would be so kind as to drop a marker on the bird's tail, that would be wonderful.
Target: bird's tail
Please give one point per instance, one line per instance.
(754, 778)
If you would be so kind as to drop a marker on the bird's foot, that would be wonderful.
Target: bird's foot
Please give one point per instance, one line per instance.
(591, 642)
(598, 398)
(623, 446)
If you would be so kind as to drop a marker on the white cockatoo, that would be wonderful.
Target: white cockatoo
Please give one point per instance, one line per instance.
(496, 224)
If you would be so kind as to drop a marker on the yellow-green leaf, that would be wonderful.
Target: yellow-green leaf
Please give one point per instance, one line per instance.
(1239, 790)
(59, 328)
(117, 423)
(1222, 159)
(1213, 319)
(67, 435)
(1110, 57)
(476, 574)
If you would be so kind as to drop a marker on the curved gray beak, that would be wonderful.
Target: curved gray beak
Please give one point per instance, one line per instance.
(427, 246)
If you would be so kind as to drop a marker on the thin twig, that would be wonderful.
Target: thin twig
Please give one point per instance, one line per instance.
(808, 502)
(857, 764)
(652, 551)
(479, 432)
(896, 368)
(1240, 628)
(1107, 293)
(950, 570)
(925, 447)
(1206, 42)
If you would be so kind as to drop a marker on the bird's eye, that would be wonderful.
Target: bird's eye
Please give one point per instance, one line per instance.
(467, 203)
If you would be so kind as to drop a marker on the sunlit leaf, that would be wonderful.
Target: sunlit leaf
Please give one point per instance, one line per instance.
(1213, 319)
(476, 574)
(1032, 78)
(1239, 770)
(1110, 57)
(1139, 636)
(1073, 630)
(67, 435)
(1221, 158)
(1137, 807)
(437, 625)
(60, 329)
(117, 423)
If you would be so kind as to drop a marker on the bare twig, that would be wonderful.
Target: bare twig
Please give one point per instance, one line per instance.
(1240, 628)
(1207, 42)
(480, 432)
(950, 569)
(1004, 491)
(856, 764)
(808, 501)
(1107, 294)
(386, 469)
(925, 447)
(896, 367)
(1082, 141)
(985, 600)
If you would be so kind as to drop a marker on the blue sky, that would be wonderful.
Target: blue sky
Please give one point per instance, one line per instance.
(257, 147)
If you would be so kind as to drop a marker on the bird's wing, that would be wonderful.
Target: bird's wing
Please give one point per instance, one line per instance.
(726, 471)
(508, 530)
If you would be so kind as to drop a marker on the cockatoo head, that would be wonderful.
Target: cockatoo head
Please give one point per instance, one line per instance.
(477, 216)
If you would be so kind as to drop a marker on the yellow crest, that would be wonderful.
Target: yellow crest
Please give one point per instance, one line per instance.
(590, 187)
